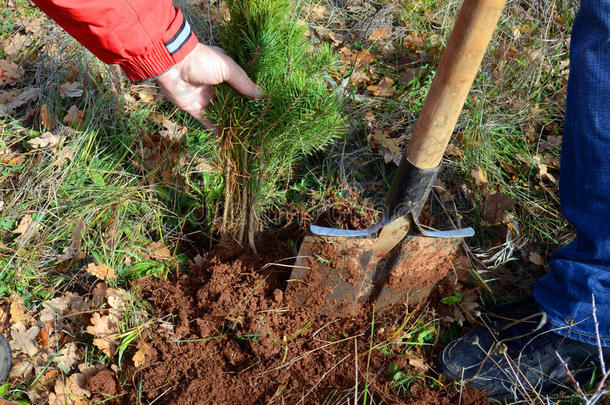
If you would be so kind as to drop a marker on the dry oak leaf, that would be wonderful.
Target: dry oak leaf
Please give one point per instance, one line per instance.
(140, 357)
(17, 43)
(24, 340)
(46, 119)
(21, 367)
(27, 95)
(118, 300)
(54, 308)
(3, 316)
(34, 26)
(72, 392)
(6, 96)
(317, 12)
(46, 337)
(74, 116)
(496, 205)
(479, 176)
(101, 271)
(64, 154)
(535, 258)
(383, 88)
(99, 294)
(159, 251)
(104, 331)
(26, 229)
(70, 89)
(18, 311)
(349, 57)
(543, 171)
(379, 33)
(46, 140)
(68, 254)
(67, 357)
(11, 74)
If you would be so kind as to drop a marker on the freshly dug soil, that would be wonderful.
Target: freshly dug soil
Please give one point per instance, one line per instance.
(236, 340)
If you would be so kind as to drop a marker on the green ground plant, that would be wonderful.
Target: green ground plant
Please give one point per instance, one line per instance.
(261, 140)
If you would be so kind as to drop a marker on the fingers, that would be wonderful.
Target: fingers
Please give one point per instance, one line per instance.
(240, 81)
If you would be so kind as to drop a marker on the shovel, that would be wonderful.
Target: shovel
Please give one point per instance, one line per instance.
(397, 259)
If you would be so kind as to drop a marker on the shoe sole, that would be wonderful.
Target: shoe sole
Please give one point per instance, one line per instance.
(5, 358)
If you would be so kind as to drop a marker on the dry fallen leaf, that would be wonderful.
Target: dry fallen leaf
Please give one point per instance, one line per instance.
(535, 258)
(23, 225)
(317, 12)
(72, 392)
(34, 26)
(75, 116)
(67, 357)
(46, 119)
(53, 308)
(6, 96)
(27, 95)
(11, 74)
(46, 337)
(543, 171)
(99, 294)
(24, 340)
(383, 88)
(26, 229)
(380, 33)
(68, 254)
(118, 300)
(101, 271)
(63, 155)
(70, 89)
(46, 140)
(480, 177)
(17, 43)
(349, 57)
(418, 363)
(496, 205)
(21, 367)
(159, 251)
(104, 331)
(18, 311)
(139, 358)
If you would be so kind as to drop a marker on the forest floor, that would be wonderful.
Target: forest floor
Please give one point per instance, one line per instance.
(113, 289)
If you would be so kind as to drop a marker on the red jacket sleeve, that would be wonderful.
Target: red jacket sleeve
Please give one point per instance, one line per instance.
(145, 37)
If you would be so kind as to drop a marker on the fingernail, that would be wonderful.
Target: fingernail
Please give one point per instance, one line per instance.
(259, 91)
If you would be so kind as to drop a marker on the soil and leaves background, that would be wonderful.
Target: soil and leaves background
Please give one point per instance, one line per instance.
(110, 201)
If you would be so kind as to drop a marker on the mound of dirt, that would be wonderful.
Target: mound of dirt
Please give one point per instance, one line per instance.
(237, 341)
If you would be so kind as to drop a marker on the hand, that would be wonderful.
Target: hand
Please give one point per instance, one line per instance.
(189, 84)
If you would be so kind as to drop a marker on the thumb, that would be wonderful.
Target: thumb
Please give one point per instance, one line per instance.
(240, 81)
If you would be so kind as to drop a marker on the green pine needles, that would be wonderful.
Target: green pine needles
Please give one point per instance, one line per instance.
(261, 140)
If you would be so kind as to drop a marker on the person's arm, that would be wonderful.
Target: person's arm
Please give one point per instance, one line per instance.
(149, 38)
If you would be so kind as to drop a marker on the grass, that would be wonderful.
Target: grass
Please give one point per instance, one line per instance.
(113, 198)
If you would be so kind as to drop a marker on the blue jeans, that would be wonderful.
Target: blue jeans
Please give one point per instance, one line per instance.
(582, 269)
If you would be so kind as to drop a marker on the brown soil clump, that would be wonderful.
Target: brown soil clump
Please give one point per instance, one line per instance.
(104, 384)
(237, 341)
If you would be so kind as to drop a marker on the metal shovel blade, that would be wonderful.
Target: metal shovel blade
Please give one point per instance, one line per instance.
(340, 275)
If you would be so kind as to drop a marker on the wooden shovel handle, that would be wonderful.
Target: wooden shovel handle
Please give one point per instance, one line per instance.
(458, 67)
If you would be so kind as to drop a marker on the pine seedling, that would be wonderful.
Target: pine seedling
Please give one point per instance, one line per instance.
(259, 141)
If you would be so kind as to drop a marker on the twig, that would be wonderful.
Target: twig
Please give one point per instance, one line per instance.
(599, 342)
(565, 366)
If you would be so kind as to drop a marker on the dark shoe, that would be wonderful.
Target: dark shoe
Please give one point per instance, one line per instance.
(5, 358)
(517, 358)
